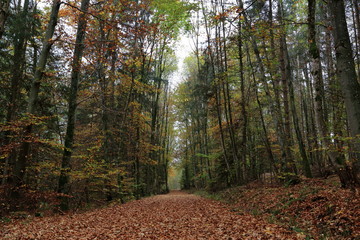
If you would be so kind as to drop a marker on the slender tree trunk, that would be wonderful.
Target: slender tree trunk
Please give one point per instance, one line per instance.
(17, 72)
(218, 111)
(285, 67)
(216, 90)
(263, 125)
(243, 98)
(276, 82)
(316, 70)
(21, 164)
(287, 74)
(275, 105)
(227, 97)
(305, 160)
(75, 73)
(165, 140)
(336, 98)
(18, 61)
(307, 130)
(335, 157)
(315, 135)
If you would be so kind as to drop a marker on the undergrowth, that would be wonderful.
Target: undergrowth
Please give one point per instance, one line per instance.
(315, 208)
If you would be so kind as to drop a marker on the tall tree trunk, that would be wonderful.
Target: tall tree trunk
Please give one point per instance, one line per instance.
(243, 98)
(316, 70)
(348, 80)
(275, 81)
(311, 128)
(263, 125)
(165, 142)
(284, 67)
(216, 90)
(75, 73)
(336, 159)
(18, 61)
(305, 160)
(275, 105)
(336, 98)
(17, 72)
(227, 96)
(21, 164)
(218, 111)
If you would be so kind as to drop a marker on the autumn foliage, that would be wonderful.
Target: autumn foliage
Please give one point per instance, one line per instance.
(315, 208)
(173, 216)
(90, 115)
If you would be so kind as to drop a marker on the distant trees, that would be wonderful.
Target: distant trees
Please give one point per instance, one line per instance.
(87, 109)
(97, 124)
(271, 106)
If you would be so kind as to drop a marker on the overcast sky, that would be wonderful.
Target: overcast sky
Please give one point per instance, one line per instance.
(183, 49)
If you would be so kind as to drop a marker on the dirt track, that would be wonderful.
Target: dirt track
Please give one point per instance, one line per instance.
(173, 216)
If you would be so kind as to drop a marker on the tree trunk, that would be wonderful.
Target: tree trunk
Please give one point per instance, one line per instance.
(17, 72)
(336, 159)
(263, 125)
(305, 160)
(289, 165)
(20, 166)
(243, 99)
(348, 79)
(75, 73)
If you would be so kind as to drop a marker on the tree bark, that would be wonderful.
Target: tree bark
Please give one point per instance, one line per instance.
(336, 159)
(284, 68)
(17, 72)
(348, 78)
(20, 166)
(75, 73)
(243, 98)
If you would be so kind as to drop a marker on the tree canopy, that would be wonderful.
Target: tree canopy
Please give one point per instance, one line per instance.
(89, 113)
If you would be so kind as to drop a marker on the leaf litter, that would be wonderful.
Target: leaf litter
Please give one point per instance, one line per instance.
(177, 215)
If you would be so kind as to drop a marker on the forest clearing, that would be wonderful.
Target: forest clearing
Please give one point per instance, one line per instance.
(106, 104)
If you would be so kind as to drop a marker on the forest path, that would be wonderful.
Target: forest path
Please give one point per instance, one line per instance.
(177, 215)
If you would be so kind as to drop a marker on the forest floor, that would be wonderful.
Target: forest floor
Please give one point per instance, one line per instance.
(177, 215)
(314, 209)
